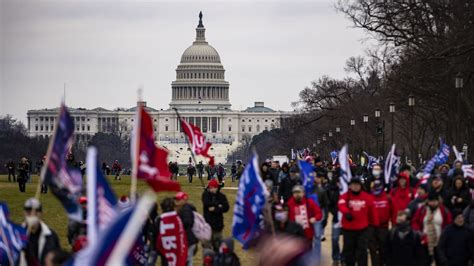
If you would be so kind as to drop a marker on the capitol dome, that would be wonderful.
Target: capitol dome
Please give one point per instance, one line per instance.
(200, 77)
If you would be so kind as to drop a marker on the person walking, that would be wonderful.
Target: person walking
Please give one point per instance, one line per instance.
(403, 246)
(200, 170)
(456, 244)
(233, 172)
(401, 195)
(186, 213)
(287, 184)
(358, 211)
(22, 174)
(215, 204)
(191, 170)
(431, 220)
(10, 165)
(378, 234)
(41, 238)
(116, 169)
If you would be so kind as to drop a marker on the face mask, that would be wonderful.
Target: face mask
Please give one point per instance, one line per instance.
(225, 250)
(376, 172)
(281, 216)
(355, 193)
(32, 220)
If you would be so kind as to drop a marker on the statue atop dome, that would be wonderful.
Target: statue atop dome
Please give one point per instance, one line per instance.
(200, 25)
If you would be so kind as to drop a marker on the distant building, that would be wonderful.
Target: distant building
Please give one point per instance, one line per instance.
(201, 95)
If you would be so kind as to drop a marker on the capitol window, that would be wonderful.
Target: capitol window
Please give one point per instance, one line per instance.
(166, 128)
(243, 128)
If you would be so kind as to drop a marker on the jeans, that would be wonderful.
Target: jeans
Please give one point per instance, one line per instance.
(335, 249)
(191, 250)
(318, 232)
(377, 236)
(190, 178)
(214, 243)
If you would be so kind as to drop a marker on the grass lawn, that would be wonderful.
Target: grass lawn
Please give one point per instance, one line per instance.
(55, 216)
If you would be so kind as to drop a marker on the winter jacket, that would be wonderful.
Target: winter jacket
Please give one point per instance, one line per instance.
(362, 209)
(456, 246)
(418, 220)
(274, 174)
(404, 251)
(228, 258)
(333, 196)
(468, 214)
(219, 201)
(290, 228)
(384, 208)
(186, 213)
(286, 186)
(39, 246)
(323, 199)
(416, 204)
(454, 194)
(401, 197)
(301, 213)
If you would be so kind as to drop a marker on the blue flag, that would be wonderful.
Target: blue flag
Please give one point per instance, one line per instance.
(65, 181)
(345, 171)
(440, 157)
(118, 242)
(392, 165)
(307, 179)
(251, 197)
(13, 238)
(371, 160)
(334, 157)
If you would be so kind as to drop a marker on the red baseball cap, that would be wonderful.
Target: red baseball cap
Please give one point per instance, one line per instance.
(213, 184)
(181, 196)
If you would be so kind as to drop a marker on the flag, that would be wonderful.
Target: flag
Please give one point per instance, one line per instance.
(65, 181)
(171, 240)
(459, 155)
(307, 179)
(117, 242)
(101, 200)
(149, 161)
(440, 157)
(334, 157)
(197, 140)
(392, 165)
(371, 160)
(345, 175)
(13, 238)
(252, 194)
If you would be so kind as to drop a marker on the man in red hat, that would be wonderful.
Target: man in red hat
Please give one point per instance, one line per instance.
(186, 213)
(215, 204)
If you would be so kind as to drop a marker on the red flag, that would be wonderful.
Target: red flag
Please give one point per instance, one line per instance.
(171, 240)
(197, 140)
(149, 160)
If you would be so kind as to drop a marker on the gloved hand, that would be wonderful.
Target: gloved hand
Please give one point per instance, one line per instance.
(349, 217)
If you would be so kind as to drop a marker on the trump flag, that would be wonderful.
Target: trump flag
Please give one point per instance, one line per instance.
(252, 195)
(197, 140)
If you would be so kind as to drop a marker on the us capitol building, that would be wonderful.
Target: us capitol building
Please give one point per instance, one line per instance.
(201, 95)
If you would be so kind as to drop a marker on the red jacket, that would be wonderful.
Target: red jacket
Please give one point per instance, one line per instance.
(362, 209)
(301, 213)
(417, 221)
(384, 208)
(401, 197)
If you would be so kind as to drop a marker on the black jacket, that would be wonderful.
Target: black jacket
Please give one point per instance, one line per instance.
(455, 246)
(406, 251)
(286, 186)
(187, 217)
(290, 228)
(40, 244)
(454, 194)
(219, 201)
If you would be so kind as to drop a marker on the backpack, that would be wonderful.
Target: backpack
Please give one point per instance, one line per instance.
(201, 229)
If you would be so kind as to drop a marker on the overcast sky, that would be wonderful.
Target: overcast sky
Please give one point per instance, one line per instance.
(104, 51)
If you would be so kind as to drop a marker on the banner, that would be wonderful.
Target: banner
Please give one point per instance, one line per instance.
(345, 174)
(197, 141)
(149, 161)
(252, 194)
(65, 181)
(171, 241)
(307, 179)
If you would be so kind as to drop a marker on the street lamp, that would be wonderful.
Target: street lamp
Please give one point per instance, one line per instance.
(464, 150)
(411, 105)
(377, 124)
(459, 84)
(330, 133)
(391, 109)
(318, 141)
(365, 119)
(353, 122)
(324, 137)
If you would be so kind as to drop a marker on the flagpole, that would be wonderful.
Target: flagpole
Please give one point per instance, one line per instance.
(136, 139)
(189, 146)
(48, 155)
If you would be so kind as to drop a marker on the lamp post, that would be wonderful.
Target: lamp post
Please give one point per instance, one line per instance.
(377, 118)
(465, 150)
(338, 133)
(391, 109)
(411, 105)
(353, 122)
(365, 119)
(459, 84)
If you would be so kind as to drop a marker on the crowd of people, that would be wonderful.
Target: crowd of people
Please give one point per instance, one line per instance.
(405, 221)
